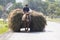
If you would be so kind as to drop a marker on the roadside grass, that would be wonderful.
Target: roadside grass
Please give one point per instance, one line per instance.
(3, 27)
(53, 20)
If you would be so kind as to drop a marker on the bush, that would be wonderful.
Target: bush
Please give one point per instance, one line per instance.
(3, 26)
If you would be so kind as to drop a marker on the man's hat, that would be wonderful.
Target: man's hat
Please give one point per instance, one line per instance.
(26, 5)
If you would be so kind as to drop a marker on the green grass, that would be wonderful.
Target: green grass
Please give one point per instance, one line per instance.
(54, 19)
(3, 27)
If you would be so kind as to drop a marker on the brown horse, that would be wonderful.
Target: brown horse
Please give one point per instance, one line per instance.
(26, 21)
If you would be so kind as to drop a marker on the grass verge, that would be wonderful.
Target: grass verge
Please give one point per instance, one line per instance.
(3, 26)
(53, 20)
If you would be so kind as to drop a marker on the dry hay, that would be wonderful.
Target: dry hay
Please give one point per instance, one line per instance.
(38, 21)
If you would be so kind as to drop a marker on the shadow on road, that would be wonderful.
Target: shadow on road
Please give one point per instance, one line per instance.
(34, 32)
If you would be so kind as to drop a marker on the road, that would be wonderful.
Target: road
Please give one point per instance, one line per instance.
(52, 32)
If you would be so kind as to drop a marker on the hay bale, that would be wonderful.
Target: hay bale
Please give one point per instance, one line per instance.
(14, 20)
(38, 21)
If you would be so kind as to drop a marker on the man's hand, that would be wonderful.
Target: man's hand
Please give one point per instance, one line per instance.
(27, 13)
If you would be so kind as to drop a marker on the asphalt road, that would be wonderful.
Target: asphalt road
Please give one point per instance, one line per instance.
(52, 32)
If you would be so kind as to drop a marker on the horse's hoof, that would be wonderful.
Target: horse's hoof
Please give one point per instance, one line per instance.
(27, 31)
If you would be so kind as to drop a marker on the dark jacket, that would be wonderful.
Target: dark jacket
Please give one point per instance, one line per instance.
(26, 9)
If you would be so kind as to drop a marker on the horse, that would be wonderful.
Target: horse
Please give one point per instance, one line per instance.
(26, 19)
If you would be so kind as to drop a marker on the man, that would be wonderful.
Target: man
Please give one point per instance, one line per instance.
(26, 9)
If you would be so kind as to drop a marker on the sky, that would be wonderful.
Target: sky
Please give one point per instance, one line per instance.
(22, 1)
(43, 0)
(19, 1)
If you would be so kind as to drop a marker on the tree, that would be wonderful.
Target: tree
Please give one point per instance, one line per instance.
(53, 7)
(4, 2)
(1, 10)
(16, 5)
(39, 5)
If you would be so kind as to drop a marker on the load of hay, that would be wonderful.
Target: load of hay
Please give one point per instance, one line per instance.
(38, 21)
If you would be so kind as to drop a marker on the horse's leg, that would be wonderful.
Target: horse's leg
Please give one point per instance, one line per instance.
(28, 22)
(25, 26)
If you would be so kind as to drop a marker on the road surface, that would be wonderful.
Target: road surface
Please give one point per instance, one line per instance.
(52, 32)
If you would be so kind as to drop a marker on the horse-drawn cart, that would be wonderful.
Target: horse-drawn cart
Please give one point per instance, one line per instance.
(37, 22)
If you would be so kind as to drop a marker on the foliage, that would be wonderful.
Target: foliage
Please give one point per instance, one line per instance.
(48, 7)
(4, 2)
(16, 5)
(1, 7)
(38, 5)
(3, 26)
(53, 20)
(1, 10)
